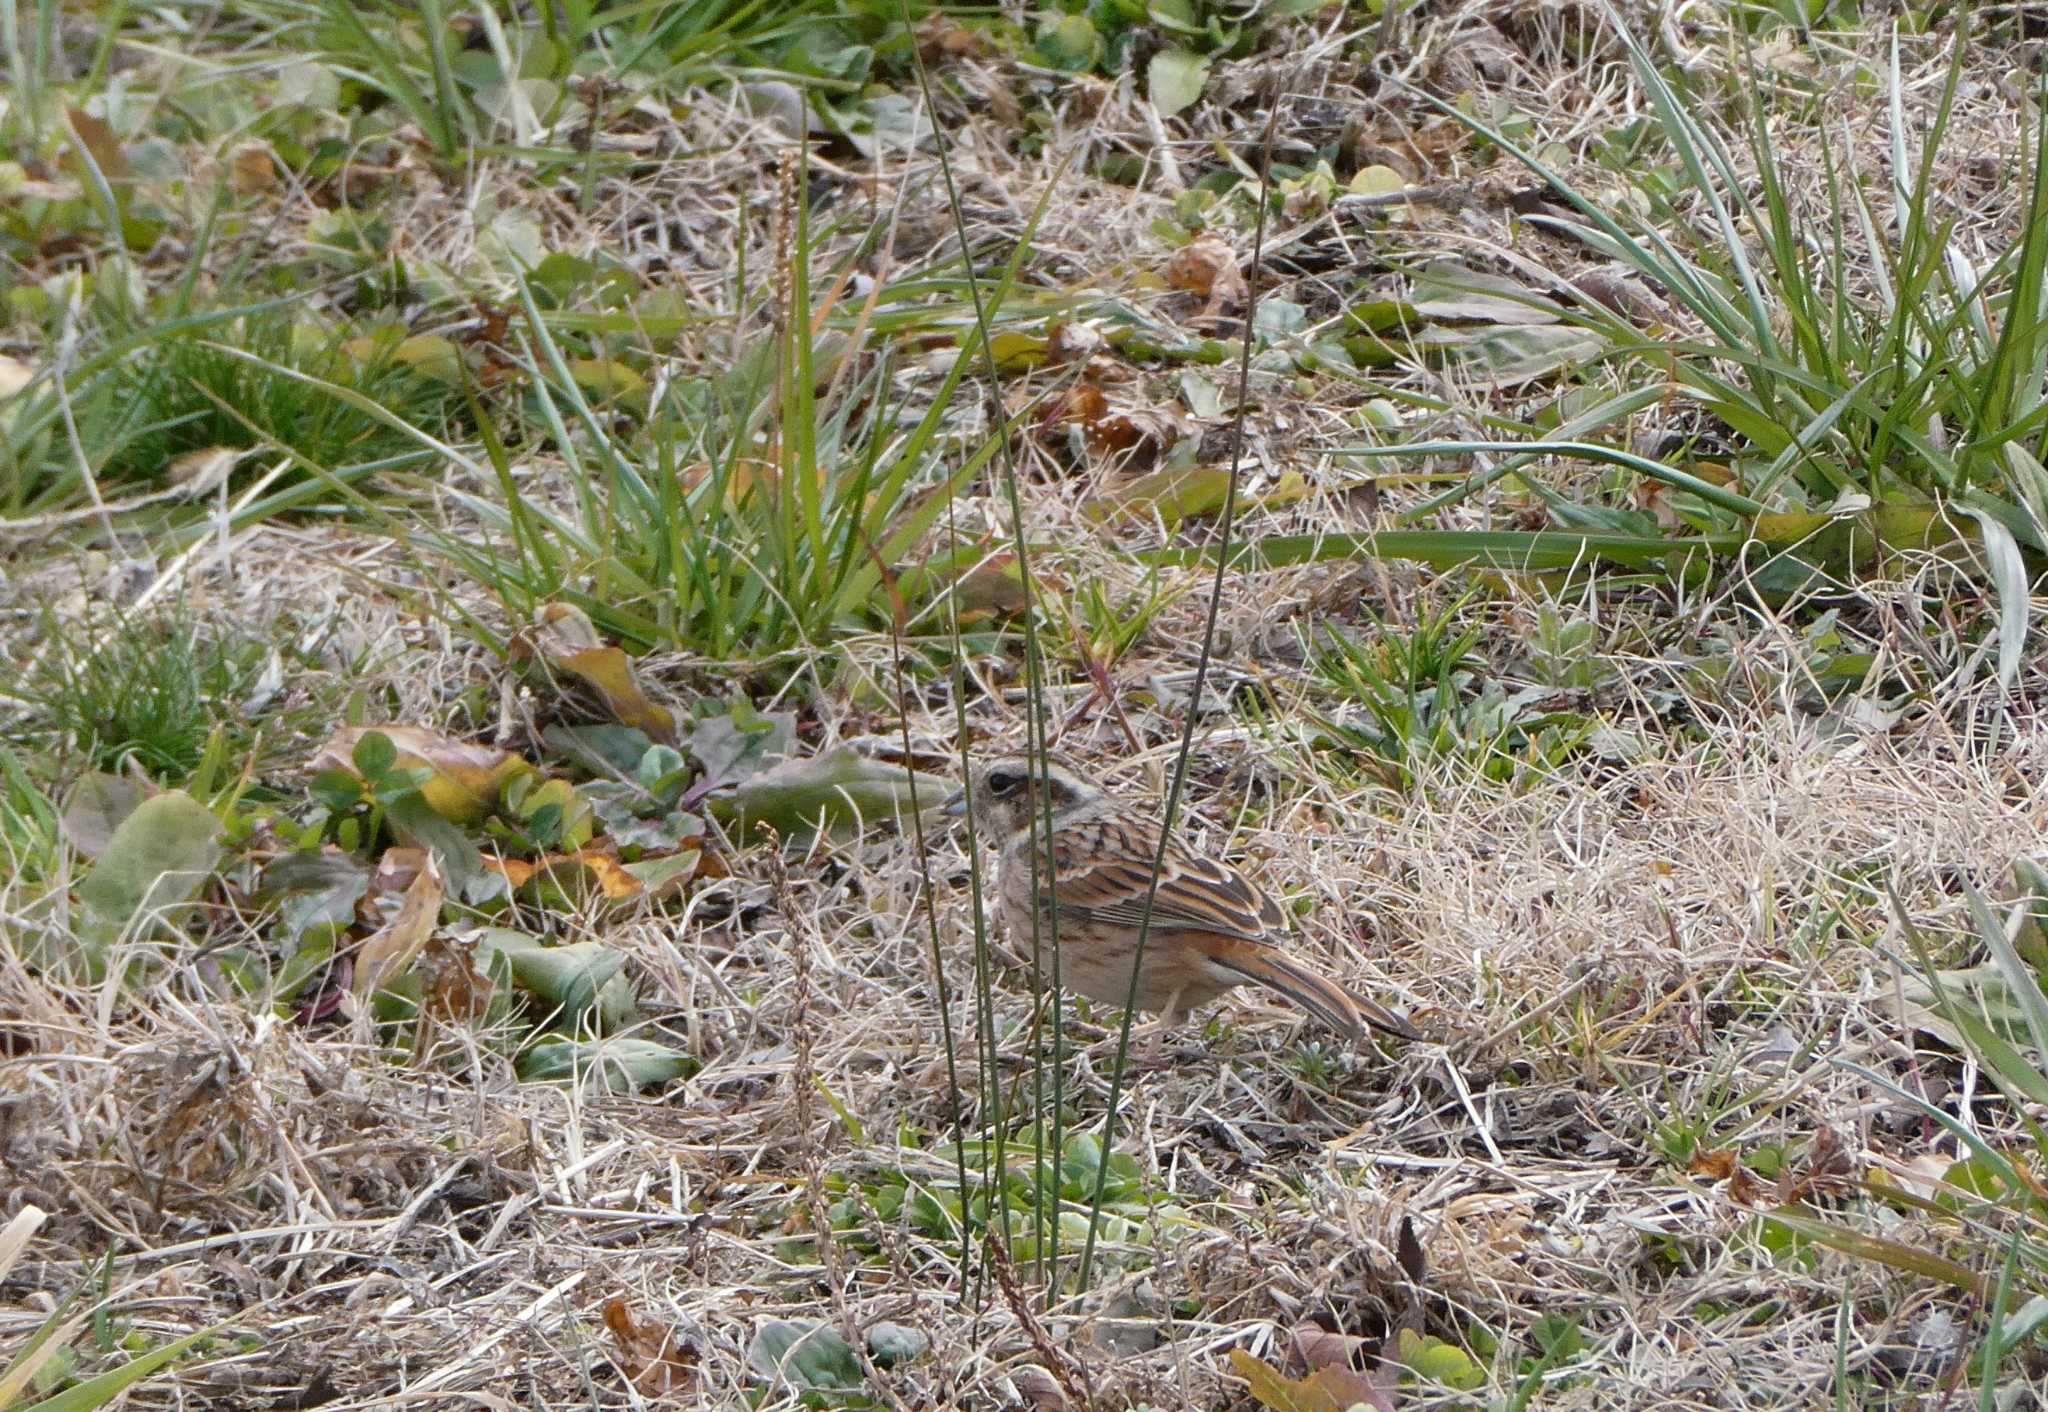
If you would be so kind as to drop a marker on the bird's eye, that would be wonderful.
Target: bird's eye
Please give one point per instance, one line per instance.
(1001, 782)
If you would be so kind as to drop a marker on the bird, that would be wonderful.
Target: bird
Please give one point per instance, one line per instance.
(1211, 929)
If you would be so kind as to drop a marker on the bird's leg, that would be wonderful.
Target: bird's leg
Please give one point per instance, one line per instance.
(1154, 1031)
(1168, 1019)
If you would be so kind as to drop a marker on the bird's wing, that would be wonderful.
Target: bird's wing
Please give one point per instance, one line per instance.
(1102, 870)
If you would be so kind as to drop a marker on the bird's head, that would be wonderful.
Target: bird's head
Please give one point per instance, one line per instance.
(1007, 792)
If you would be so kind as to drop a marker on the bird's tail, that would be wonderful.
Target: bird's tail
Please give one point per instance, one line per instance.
(1344, 1011)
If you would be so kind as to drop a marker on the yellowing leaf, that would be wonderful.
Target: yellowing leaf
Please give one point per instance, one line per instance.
(428, 354)
(1377, 181)
(467, 779)
(1016, 352)
(566, 638)
(1438, 1361)
(577, 876)
(1178, 495)
(609, 380)
(1324, 1390)
(989, 587)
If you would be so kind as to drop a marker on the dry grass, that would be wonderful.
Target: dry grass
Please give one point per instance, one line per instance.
(1664, 947)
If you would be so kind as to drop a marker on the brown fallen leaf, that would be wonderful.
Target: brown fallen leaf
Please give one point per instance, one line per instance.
(14, 376)
(940, 37)
(1146, 432)
(1826, 1169)
(454, 989)
(396, 871)
(1076, 405)
(992, 587)
(1112, 427)
(201, 472)
(1039, 1389)
(654, 1358)
(1208, 266)
(1316, 1348)
(1722, 1165)
(1627, 296)
(565, 638)
(1074, 343)
(104, 147)
(389, 952)
(252, 169)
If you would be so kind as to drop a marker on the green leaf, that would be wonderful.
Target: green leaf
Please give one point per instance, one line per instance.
(414, 821)
(1175, 79)
(662, 772)
(1558, 1336)
(1513, 551)
(321, 889)
(339, 790)
(95, 1393)
(602, 750)
(838, 787)
(161, 856)
(1279, 318)
(742, 743)
(1877, 1250)
(374, 756)
(805, 1353)
(2009, 575)
(667, 873)
(1069, 44)
(1448, 290)
(1439, 1362)
(571, 977)
(1380, 315)
(1508, 355)
(891, 1343)
(621, 1065)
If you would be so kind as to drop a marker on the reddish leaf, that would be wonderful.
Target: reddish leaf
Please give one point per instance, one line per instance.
(655, 1359)
(1208, 266)
(1325, 1390)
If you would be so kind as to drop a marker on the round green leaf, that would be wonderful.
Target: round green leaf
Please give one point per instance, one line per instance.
(1175, 79)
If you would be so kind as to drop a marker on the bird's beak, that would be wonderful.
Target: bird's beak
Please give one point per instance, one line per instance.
(956, 803)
